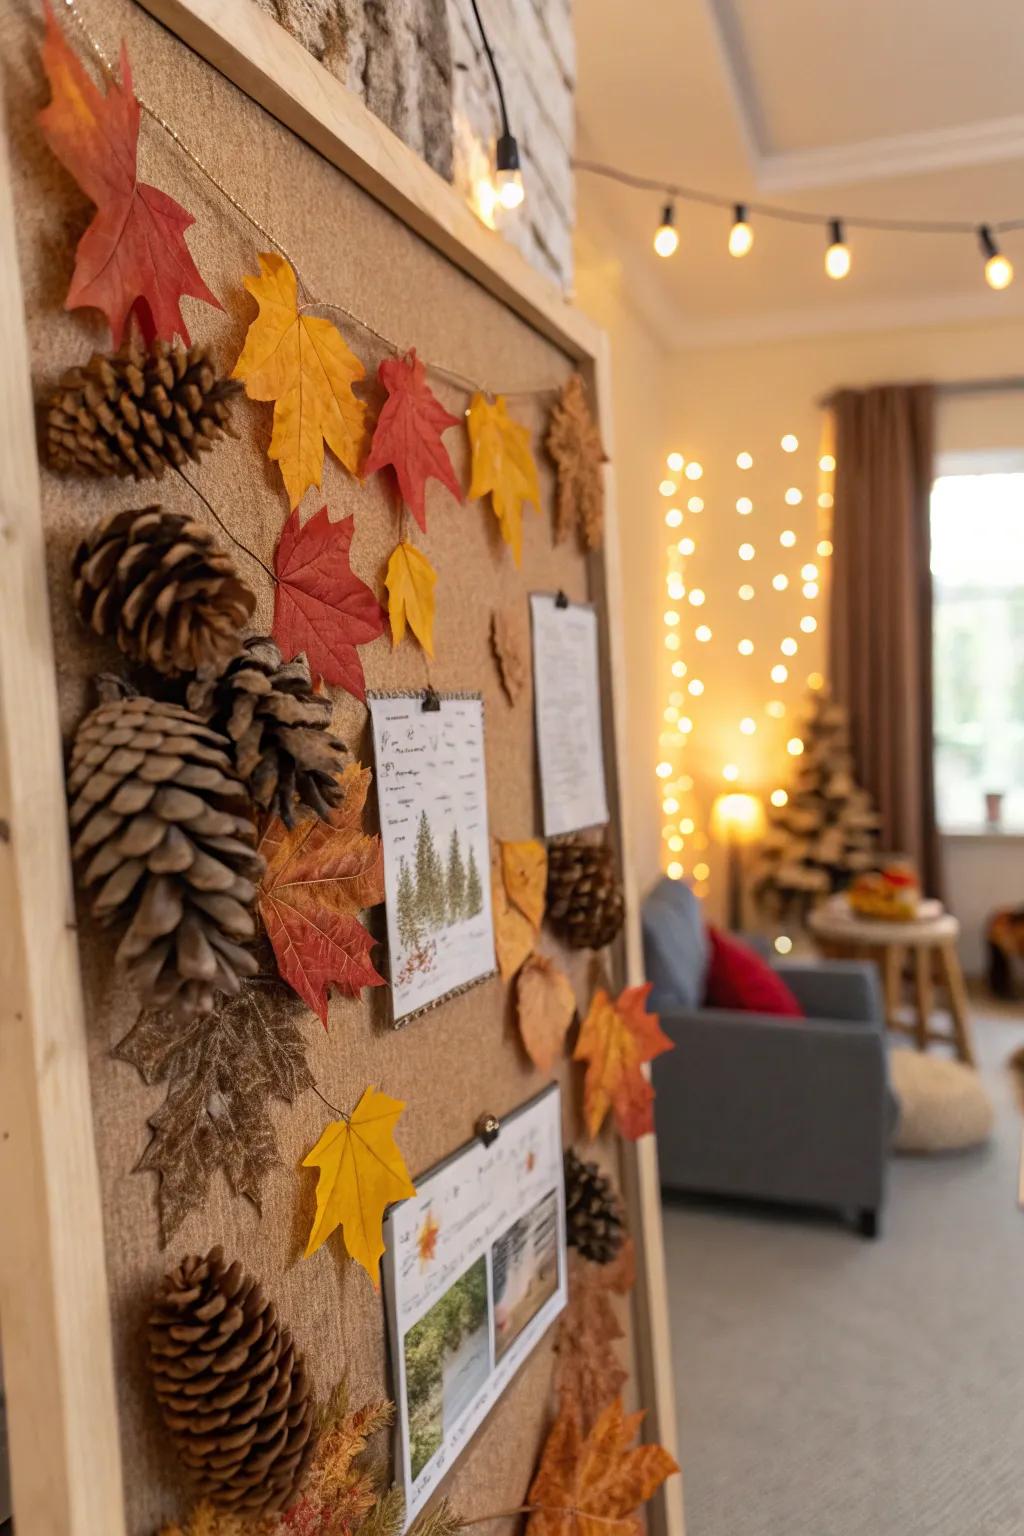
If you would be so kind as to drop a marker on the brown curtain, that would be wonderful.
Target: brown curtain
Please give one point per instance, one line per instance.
(880, 636)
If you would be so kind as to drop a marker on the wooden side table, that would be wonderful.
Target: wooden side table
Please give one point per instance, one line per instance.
(932, 944)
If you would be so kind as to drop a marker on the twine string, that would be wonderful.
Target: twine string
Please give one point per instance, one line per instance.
(223, 525)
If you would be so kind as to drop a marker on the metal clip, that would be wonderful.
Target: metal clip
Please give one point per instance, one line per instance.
(561, 601)
(488, 1128)
(431, 701)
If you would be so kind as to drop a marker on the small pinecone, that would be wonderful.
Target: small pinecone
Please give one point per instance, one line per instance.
(593, 1215)
(163, 588)
(231, 1386)
(283, 749)
(585, 902)
(165, 842)
(137, 411)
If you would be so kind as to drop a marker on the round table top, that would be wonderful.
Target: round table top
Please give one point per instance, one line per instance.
(835, 919)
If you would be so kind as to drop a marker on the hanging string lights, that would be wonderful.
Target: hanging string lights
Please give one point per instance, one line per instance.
(838, 255)
(508, 176)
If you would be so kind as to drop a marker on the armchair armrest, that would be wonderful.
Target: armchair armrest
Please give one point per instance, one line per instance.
(835, 989)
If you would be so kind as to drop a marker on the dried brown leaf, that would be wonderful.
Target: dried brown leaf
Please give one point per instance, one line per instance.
(221, 1070)
(574, 443)
(545, 1008)
(588, 1372)
(511, 646)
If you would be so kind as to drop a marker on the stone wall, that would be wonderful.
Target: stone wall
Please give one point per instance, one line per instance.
(419, 65)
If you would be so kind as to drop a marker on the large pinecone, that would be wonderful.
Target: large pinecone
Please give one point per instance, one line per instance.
(231, 1386)
(137, 411)
(593, 1215)
(163, 588)
(166, 843)
(279, 727)
(585, 900)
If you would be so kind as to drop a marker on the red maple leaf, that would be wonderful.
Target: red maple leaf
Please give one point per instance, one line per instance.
(133, 258)
(321, 606)
(408, 434)
(319, 875)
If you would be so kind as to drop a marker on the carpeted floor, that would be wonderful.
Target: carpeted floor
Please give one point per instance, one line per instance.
(829, 1386)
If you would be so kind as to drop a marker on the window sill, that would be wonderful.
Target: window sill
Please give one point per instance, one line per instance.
(981, 835)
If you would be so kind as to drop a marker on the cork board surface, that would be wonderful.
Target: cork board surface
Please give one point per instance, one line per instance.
(464, 1057)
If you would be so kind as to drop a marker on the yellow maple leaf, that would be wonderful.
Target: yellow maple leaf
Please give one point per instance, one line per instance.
(502, 465)
(361, 1172)
(410, 582)
(301, 363)
(524, 867)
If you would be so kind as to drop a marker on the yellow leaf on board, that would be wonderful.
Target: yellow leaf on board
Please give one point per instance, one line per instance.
(502, 466)
(524, 867)
(361, 1172)
(301, 363)
(410, 582)
(513, 933)
(545, 1007)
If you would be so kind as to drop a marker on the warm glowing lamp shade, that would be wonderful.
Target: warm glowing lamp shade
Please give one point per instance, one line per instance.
(737, 819)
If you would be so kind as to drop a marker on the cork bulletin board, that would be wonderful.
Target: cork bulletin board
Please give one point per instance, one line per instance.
(373, 230)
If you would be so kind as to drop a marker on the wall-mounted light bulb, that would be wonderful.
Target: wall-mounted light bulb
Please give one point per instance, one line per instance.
(837, 257)
(666, 238)
(741, 236)
(998, 268)
(508, 175)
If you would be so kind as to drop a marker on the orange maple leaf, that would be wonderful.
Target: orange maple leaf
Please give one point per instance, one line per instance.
(318, 877)
(426, 1241)
(133, 258)
(593, 1486)
(615, 1040)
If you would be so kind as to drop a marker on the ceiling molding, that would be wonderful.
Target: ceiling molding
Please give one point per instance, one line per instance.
(905, 154)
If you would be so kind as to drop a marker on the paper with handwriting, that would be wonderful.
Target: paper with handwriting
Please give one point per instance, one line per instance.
(567, 702)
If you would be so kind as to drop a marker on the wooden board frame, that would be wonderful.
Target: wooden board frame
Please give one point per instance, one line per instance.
(64, 1437)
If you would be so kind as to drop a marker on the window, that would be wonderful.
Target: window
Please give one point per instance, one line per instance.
(977, 529)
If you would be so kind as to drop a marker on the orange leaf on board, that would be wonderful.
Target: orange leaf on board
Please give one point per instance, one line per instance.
(301, 363)
(410, 582)
(615, 1040)
(588, 1372)
(545, 1007)
(408, 434)
(132, 259)
(593, 1486)
(426, 1238)
(503, 467)
(524, 866)
(514, 935)
(321, 607)
(318, 877)
(361, 1173)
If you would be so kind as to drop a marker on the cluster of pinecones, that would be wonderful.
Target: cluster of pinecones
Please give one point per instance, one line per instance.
(163, 795)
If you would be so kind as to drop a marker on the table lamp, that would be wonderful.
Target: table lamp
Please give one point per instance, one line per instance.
(737, 819)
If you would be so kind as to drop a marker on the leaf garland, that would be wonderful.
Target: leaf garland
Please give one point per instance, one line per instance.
(615, 1040)
(132, 260)
(303, 365)
(593, 1485)
(361, 1173)
(221, 1071)
(574, 443)
(410, 581)
(503, 467)
(408, 434)
(321, 607)
(318, 877)
(545, 1008)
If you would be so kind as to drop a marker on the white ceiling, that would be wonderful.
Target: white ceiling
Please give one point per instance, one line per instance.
(896, 108)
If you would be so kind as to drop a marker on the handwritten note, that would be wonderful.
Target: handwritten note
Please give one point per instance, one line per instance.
(432, 791)
(566, 687)
(474, 1274)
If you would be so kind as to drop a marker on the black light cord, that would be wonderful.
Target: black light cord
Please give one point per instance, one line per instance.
(792, 215)
(506, 130)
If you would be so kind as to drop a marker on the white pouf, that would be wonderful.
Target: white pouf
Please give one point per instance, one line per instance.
(943, 1104)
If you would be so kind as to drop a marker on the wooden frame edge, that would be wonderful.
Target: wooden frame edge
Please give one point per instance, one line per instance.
(54, 1300)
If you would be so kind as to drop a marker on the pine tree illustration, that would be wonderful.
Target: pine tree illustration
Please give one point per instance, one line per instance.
(474, 902)
(431, 899)
(409, 922)
(456, 880)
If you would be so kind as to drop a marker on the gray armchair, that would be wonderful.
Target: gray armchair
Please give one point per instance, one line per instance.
(793, 1110)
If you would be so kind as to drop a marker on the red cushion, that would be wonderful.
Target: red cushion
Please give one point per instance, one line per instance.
(738, 978)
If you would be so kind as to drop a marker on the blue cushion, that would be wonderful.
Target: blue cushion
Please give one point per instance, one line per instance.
(676, 949)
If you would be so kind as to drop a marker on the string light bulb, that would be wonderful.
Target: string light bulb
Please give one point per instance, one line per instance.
(998, 268)
(675, 462)
(666, 236)
(837, 257)
(508, 174)
(741, 236)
